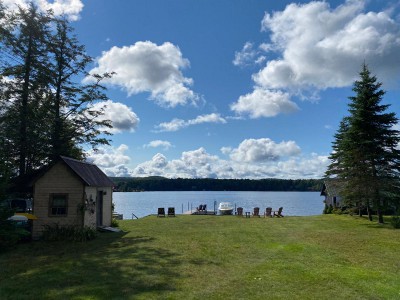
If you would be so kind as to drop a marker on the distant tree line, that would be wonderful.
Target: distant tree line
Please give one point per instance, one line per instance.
(134, 184)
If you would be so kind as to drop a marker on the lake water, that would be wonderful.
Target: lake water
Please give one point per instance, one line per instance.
(146, 203)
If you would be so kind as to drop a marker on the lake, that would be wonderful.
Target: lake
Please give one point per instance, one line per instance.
(146, 203)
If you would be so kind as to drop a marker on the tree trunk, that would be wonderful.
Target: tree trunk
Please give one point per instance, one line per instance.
(380, 216)
(24, 110)
(369, 213)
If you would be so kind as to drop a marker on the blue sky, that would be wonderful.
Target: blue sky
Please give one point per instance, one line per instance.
(231, 88)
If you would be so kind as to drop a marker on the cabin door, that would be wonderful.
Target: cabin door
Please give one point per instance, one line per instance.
(99, 209)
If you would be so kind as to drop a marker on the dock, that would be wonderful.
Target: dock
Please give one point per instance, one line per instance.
(202, 213)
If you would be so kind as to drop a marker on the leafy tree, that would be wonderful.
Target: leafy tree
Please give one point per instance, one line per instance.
(365, 156)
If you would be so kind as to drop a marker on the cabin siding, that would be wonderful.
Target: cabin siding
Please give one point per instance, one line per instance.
(107, 204)
(57, 180)
(94, 193)
(331, 190)
(88, 192)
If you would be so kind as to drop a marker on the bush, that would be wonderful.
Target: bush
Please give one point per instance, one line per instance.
(55, 232)
(328, 209)
(10, 234)
(337, 211)
(114, 223)
(352, 211)
(395, 221)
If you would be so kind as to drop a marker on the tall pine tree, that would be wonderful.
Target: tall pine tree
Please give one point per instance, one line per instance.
(45, 109)
(73, 122)
(24, 55)
(365, 151)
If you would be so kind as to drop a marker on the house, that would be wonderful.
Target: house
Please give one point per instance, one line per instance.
(71, 193)
(331, 190)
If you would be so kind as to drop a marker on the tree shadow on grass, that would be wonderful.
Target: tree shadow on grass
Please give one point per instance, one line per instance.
(374, 223)
(113, 266)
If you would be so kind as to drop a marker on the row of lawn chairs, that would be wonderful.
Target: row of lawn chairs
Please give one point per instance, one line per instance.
(256, 212)
(161, 212)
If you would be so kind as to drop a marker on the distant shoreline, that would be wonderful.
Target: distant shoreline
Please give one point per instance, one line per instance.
(147, 184)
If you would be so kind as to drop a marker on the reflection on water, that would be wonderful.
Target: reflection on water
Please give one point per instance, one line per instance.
(146, 203)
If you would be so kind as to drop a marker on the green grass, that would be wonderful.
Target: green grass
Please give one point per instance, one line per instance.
(213, 257)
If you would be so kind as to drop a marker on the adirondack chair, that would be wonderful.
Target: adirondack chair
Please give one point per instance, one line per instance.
(278, 213)
(171, 211)
(256, 212)
(268, 212)
(161, 212)
(239, 211)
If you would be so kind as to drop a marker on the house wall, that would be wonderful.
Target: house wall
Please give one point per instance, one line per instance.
(329, 200)
(107, 205)
(93, 193)
(58, 180)
(90, 215)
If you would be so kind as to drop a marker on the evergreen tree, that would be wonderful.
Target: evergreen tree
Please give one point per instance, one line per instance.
(72, 121)
(45, 109)
(365, 157)
(24, 55)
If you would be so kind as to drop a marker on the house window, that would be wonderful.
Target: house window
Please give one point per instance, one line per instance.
(58, 205)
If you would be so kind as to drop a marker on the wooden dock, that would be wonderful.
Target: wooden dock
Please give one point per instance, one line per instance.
(202, 213)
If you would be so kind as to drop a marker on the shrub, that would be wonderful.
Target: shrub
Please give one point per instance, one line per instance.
(328, 209)
(114, 223)
(55, 232)
(10, 234)
(352, 211)
(395, 221)
(337, 211)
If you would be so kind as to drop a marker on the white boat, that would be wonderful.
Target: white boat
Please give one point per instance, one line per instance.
(225, 208)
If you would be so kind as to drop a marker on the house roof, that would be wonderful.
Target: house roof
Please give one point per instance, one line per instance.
(89, 173)
(332, 187)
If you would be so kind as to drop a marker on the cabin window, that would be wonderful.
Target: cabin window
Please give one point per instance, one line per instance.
(58, 204)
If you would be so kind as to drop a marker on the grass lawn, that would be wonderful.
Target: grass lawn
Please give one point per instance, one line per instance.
(213, 257)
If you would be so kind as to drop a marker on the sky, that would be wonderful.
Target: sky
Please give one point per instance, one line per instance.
(231, 88)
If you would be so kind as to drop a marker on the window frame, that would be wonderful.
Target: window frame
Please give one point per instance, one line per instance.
(51, 205)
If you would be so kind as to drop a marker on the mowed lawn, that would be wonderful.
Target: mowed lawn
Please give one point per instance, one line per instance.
(213, 257)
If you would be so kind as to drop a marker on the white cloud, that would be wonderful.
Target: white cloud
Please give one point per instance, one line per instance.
(173, 125)
(249, 55)
(177, 124)
(264, 103)
(319, 47)
(158, 143)
(121, 116)
(69, 8)
(111, 160)
(226, 150)
(323, 47)
(307, 167)
(147, 67)
(263, 150)
(210, 118)
(265, 159)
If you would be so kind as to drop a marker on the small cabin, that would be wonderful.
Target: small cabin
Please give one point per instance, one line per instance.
(72, 193)
(331, 190)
